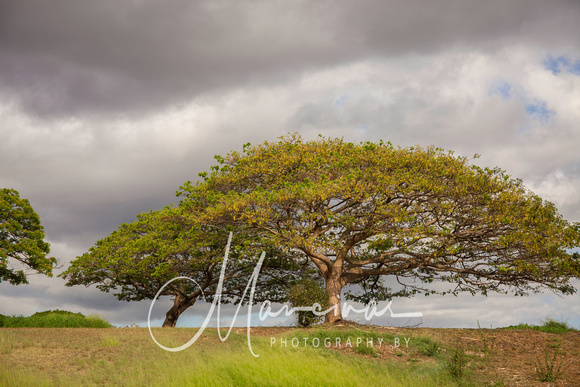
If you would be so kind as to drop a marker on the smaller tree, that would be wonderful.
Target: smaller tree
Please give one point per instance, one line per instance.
(306, 292)
(21, 239)
(137, 259)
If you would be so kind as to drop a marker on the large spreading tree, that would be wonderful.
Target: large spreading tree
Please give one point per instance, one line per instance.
(21, 240)
(139, 258)
(369, 212)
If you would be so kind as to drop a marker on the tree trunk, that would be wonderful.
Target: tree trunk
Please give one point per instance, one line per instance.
(171, 318)
(333, 288)
(180, 304)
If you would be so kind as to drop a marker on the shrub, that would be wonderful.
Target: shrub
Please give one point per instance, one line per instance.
(553, 326)
(549, 369)
(487, 346)
(457, 362)
(54, 319)
(305, 293)
(428, 346)
(549, 326)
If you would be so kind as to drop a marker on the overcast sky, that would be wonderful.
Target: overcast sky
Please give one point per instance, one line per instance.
(107, 107)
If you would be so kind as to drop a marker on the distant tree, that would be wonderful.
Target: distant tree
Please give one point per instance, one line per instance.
(137, 259)
(21, 239)
(363, 213)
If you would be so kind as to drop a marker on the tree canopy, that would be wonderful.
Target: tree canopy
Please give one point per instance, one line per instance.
(363, 213)
(139, 258)
(21, 239)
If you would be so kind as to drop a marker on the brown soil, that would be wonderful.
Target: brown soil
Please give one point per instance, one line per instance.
(511, 358)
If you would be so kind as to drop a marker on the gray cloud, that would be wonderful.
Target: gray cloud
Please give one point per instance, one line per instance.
(107, 56)
(63, 58)
(107, 107)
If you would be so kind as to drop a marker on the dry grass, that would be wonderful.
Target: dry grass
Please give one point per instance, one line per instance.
(128, 356)
(72, 357)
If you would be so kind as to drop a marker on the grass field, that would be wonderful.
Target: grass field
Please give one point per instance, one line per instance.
(433, 357)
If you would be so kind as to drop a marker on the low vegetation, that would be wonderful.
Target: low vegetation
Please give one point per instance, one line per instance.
(549, 368)
(54, 319)
(457, 362)
(549, 326)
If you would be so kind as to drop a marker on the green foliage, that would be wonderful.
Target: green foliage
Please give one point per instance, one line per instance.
(110, 342)
(549, 369)
(428, 346)
(457, 362)
(139, 258)
(54, 319)
(304, 294)
(21, 239)
(487, 343)
(366, 350)
(549, 326)
(522, 326)
(553, 326)
(363, 211)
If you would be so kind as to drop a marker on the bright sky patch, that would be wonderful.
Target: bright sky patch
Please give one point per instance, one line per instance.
(501, 88)
(561, 63)
(538, 111)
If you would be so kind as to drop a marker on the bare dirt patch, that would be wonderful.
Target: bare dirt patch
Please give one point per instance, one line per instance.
(497, 356)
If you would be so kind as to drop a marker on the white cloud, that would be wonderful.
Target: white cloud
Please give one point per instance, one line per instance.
(101, 121)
